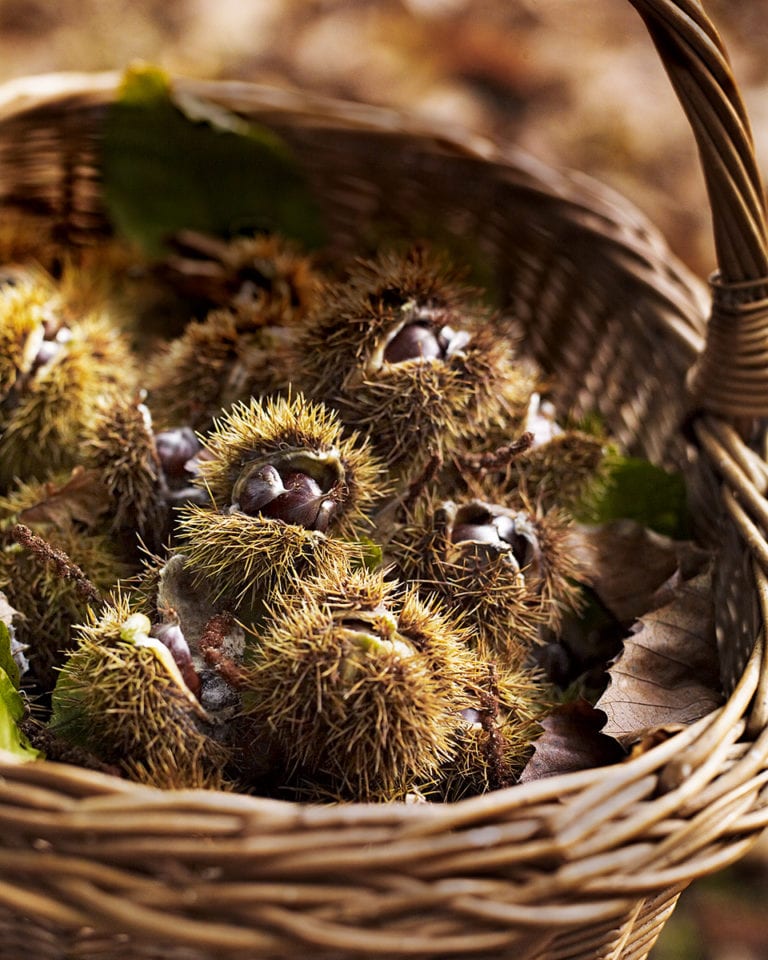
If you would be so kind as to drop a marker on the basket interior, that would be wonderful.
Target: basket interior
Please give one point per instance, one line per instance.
(616, 321)
(603, 305)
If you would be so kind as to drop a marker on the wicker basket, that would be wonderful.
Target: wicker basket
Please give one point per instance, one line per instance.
(582, 865)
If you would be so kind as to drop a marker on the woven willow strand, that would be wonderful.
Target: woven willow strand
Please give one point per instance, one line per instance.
(732, 375)
(698, 66)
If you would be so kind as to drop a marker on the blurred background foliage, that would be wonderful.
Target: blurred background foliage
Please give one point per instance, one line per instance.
(577, 84)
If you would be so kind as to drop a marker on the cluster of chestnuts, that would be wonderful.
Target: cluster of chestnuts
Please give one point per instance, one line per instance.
(305, 545)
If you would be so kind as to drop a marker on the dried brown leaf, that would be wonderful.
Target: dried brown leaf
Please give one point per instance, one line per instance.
(571, 741)
(628, 563)
(668, 672)
(82, 499)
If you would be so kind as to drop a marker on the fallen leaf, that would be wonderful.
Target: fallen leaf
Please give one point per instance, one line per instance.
(668, 672)
(571, 741)
(636, 489)
(11, 703)
(82, 499)
(628, 563)
(229, 175)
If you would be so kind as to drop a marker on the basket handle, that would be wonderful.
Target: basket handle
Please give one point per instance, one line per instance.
(731, 375)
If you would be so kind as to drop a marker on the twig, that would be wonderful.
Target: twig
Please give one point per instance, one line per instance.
(500, 457)
(65, 568)
(499, 774)
(418, 485)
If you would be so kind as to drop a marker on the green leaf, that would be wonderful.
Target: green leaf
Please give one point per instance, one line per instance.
(7, 663)
(11, 712)
(591, 423)
(372, 554)
(635, 489)
(68, 719)
(173, 163)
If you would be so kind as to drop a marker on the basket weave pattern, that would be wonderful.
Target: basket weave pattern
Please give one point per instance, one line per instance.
(582, 865)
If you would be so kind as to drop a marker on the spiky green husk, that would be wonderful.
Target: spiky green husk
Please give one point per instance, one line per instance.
(240, 561)
(493, 596)
(505, 605)
(263, 278)
(391, 607)
(24, 308)
(49, 604)
(564, 472)
(361, 689)
(496, 741)
(416, 408)
(251, 434)
(560, 590)
(119, 446)
(43, 428)
(213, 364)
(116, 698)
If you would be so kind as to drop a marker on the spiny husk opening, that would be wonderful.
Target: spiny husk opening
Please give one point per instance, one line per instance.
(116, 697)
(417, 407)
(491, 592)
(264, 279)
(325, 467)
(45, 424)
(212, 365)
(237, 559)
(24, 309)
(299, 432)
(368, 720)
(554, 575)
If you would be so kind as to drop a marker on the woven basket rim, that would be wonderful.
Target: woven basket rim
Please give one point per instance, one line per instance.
(697, 737)
(602, 208)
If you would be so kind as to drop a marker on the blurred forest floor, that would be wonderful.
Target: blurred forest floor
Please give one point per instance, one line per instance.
(577, 84)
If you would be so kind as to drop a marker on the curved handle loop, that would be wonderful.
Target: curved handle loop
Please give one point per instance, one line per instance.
(731, 376)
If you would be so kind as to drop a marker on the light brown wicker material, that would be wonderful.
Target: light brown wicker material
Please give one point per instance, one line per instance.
(584, 865)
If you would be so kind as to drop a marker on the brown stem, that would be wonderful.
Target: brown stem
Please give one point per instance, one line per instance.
(500, 457)
(212, 640)
(499, 775)
(418, 485)
(62, 564)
